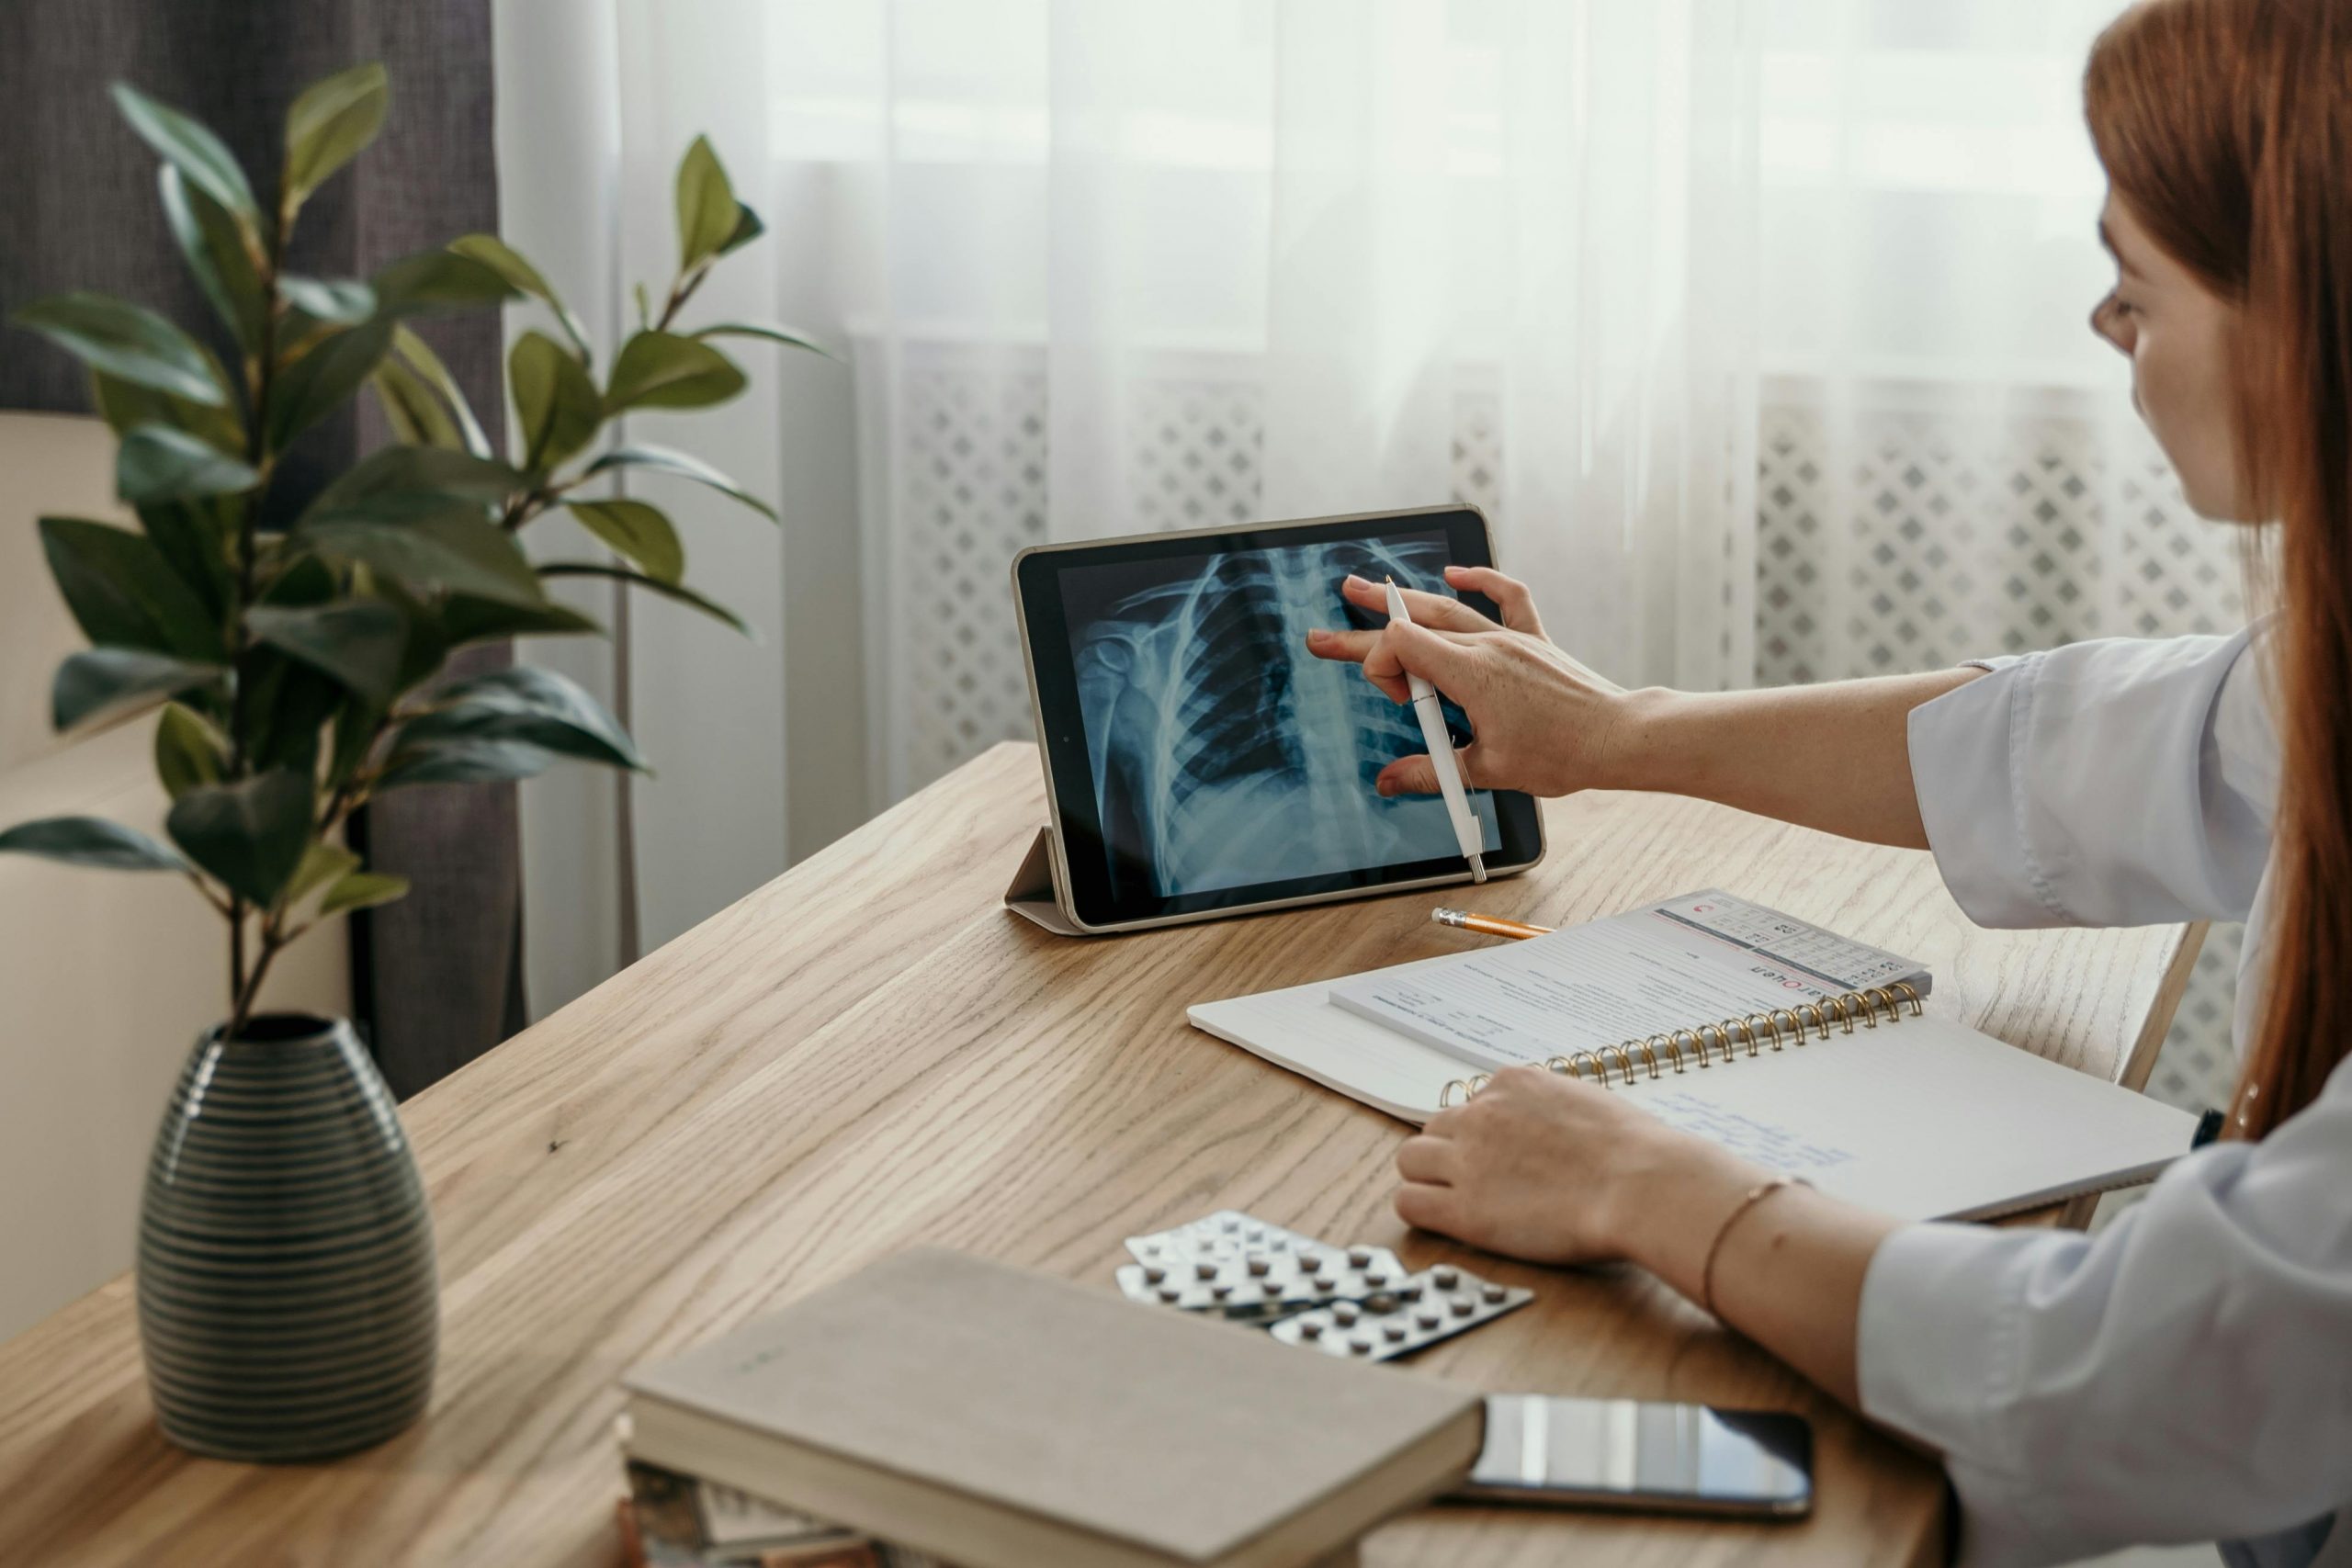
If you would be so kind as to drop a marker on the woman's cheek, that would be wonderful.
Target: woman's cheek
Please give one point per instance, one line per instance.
(2185, 407)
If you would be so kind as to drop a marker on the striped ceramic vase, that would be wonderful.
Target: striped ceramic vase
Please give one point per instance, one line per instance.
(288, 1303)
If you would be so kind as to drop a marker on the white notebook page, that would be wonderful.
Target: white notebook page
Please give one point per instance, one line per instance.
(1922, 1119)
(1675, 965)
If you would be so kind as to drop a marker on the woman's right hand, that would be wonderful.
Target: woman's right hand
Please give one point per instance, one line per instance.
(1543, 722)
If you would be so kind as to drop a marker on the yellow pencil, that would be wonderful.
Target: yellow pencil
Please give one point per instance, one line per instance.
(1489, 925)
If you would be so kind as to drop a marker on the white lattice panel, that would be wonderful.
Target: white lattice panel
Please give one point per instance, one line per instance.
(1195, 452)
(973, 467)
(1901, 538)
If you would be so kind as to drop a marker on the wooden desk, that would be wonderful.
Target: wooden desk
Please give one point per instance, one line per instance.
(869, 1052)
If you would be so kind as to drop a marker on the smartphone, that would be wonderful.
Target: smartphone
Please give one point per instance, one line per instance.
(1622, 1453)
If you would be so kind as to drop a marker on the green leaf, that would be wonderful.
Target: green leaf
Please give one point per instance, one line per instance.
(439, 280)
(664, 370)
(464, 620)
(419, 356)
(322, 863)
(668, 460)
(304, 581)
(644, 307)
(683, 595)
(188, 752)
(356, 723)
(706, 206)
(127, 342)
(317, 384)
(465, 761)
(430, 470)
(538, 707)
(214, 246)
(125, 406)
(250, 834)
(416, 415)
(188, 147)
(103, 679)
(90, 841)
(747, 228)
(458, 552)
(342, 300)
(637, 531)
(286, 706)
(357, 641)
(556, 404)
(156, 463)
(193, 538)
(362, 890)
(123, 594)
(509, 263)
(331, 124)
(789, 337)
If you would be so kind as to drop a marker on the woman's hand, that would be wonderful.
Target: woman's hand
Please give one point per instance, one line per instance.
(1553, 1169)
(1543, 722)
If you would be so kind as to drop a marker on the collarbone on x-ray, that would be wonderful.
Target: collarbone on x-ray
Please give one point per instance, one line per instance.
(1224, 755)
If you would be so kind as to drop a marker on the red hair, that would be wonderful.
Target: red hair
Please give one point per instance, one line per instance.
(2226, 126)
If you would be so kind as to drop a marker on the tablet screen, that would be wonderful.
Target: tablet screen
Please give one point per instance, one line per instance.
(1222, 762)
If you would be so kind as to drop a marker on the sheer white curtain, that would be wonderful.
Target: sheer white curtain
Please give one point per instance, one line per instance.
(1755, 324)
(1245, 259)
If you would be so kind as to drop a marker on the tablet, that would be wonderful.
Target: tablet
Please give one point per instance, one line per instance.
(1199, 761)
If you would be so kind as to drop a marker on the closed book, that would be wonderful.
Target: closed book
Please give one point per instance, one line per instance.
(1000, 1419)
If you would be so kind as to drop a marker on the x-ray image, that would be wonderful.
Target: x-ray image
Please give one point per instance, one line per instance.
(1224, 754)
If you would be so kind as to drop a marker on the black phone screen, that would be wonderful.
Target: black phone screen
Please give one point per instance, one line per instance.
(1625, 1453)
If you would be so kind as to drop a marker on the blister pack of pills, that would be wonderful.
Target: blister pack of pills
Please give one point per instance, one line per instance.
(1257, 1284)
(1228, 1233)
(1436, 1303)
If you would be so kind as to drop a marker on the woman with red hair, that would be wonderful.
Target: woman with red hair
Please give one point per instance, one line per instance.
(2186, 1373)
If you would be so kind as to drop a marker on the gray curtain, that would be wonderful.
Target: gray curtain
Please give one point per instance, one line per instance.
(437, 977)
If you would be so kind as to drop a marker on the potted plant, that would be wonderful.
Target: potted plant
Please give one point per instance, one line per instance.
(285, 1284)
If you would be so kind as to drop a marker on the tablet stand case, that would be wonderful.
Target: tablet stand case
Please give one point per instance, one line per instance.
(1035, 895)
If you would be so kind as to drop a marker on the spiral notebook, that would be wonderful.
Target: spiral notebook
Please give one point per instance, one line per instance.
(1788, 1044)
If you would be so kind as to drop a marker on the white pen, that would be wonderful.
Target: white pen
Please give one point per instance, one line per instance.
(1467, 830)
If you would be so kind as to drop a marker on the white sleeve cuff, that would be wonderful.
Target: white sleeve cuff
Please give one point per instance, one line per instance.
(1968, 754)
(1939, 1349)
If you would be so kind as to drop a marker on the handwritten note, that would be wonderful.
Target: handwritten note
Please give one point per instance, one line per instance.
(1767, 1143)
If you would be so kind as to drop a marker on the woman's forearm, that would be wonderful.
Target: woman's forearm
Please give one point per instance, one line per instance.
(1790, 1271)
(1835, 757)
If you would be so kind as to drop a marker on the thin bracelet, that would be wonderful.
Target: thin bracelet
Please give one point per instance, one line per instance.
(1756, 1194)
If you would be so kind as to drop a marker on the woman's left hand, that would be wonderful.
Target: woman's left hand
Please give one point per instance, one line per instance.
(1548, 1167)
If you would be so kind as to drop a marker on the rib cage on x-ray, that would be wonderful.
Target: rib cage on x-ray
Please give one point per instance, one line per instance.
(1225, 755)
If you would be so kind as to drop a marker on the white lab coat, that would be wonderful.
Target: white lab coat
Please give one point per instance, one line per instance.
(2186, 1374)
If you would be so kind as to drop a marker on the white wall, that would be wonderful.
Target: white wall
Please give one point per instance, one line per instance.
(105, 977)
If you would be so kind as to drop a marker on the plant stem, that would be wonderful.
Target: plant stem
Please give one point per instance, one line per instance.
(679, 292)
(271, 940)
(242, 986)
(236, 949)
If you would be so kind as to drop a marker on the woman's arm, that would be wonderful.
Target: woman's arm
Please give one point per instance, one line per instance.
(1834, 757)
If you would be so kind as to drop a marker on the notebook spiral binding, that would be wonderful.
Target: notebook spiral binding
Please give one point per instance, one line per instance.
(1659, 1051)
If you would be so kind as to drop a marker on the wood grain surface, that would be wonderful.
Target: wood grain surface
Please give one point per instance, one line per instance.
(868, 1053)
